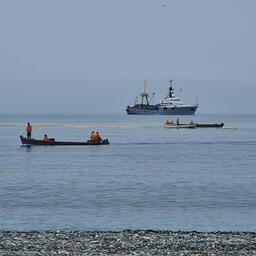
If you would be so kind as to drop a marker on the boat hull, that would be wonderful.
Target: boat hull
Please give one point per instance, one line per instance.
(180, 126)
(140, 109)
(216, 125)
(220, 125)
(187, 110)
(51, 142)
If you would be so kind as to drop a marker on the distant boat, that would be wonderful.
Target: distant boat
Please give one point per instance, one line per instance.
(180, 126)
(143, 105)
(52, 142)
(170, 105)
(193, 125)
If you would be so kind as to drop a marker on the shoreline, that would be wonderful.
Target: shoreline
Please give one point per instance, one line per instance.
(127, 242)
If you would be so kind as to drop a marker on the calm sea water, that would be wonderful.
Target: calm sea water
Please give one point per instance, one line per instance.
(149, 177)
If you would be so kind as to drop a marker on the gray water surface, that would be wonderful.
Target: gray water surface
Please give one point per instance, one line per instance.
(149, 177)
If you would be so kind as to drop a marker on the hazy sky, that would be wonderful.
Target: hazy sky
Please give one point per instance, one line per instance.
(93, 55)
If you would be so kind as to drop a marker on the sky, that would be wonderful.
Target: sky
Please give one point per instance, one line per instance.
(92, 56)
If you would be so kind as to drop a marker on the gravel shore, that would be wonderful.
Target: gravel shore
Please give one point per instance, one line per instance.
(127, 242)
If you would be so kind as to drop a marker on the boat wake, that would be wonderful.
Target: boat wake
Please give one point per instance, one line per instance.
(80, 126)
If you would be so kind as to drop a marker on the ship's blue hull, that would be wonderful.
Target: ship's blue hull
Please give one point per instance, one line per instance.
(138, 110)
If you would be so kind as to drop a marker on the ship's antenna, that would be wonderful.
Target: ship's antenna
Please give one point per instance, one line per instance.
(143, 93)
(170, 89)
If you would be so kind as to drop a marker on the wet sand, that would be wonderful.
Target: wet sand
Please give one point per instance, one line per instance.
(127, 242)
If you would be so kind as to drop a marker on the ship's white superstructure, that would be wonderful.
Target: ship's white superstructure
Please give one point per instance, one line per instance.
(172, 104)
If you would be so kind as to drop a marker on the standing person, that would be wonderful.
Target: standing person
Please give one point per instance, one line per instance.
(178, 121)
(29, 130)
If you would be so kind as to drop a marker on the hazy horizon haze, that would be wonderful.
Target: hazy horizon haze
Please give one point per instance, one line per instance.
(93, 56)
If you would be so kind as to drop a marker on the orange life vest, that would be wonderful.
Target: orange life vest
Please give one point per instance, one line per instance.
(94, 137)
(29, 128)
(45, 138)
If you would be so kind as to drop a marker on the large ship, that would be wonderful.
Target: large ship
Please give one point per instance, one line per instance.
(170, 105)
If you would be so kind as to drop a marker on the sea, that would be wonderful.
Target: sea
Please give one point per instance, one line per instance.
(149, 177)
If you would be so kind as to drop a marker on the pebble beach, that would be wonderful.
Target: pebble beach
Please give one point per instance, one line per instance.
(127, 242)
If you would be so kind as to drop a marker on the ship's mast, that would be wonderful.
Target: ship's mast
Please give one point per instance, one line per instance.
(145, 94)
(170, 94)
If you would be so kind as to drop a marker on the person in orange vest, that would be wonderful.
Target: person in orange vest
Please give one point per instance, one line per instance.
(45, 138)
(29, 130)
(97, 137)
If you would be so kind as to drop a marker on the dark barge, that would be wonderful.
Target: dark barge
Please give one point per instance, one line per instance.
(216, 125)
(207, 125)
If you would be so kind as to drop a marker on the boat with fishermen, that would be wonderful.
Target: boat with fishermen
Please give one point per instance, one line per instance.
(171, 124)
(53, 142)
(170, 105)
